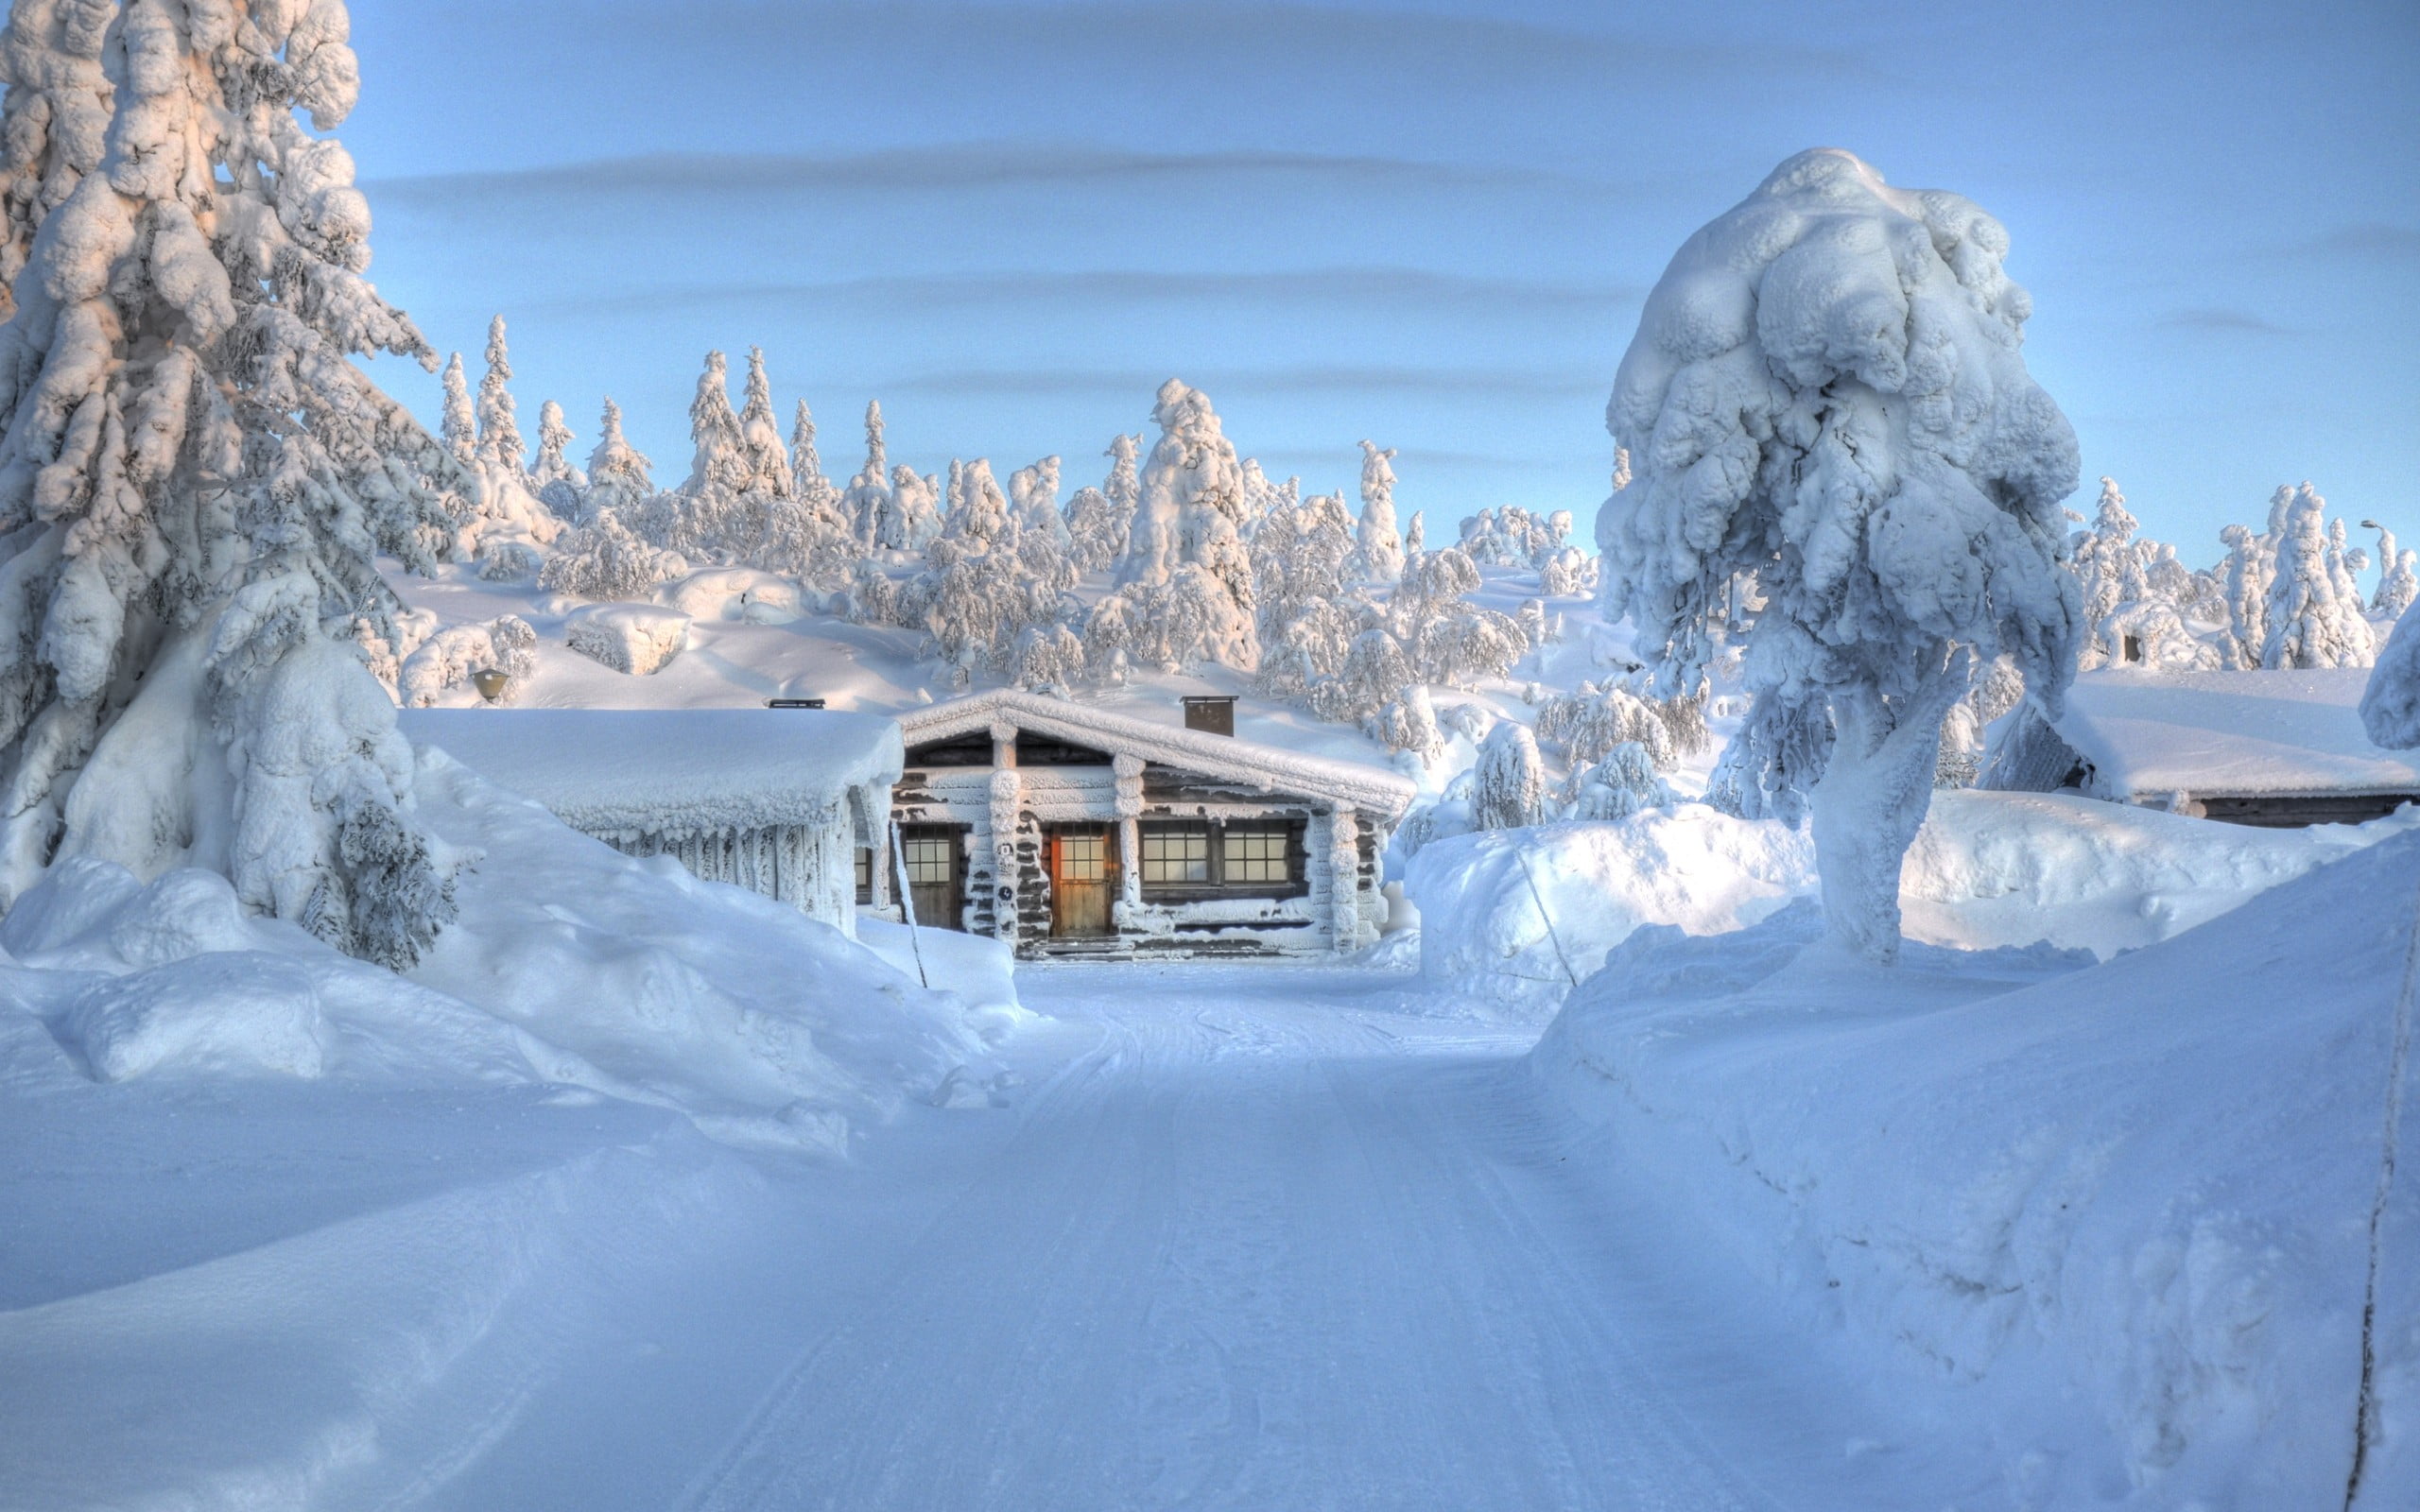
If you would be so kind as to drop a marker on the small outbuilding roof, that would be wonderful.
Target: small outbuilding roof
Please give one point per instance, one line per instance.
(2227, 735)
(670, 772)
(1266, 768)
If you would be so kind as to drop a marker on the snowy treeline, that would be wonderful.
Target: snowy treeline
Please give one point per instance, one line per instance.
(1184, 553)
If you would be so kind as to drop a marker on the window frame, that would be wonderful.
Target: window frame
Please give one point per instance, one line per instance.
(1215, 882)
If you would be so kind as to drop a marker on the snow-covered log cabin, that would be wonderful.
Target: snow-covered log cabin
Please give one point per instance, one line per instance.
(2278, 748)
(1066, 831)
(776, 800)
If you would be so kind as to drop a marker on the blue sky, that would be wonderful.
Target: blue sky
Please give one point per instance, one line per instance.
(1429, 224)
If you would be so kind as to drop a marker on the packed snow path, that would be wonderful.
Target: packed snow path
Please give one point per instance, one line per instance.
(1266, 1243)
(1261, 1237)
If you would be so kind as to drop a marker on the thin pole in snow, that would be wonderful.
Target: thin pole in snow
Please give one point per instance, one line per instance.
(2365, 1407)
(1522, 860)
(907, 904)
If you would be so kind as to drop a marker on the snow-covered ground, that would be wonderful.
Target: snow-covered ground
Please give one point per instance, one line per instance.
(1518, 917)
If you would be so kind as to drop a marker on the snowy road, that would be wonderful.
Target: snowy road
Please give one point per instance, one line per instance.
(1253, 1251)
(1250, 1238)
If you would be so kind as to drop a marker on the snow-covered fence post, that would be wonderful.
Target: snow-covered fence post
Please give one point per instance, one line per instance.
(1127, 770)
(1827, 393)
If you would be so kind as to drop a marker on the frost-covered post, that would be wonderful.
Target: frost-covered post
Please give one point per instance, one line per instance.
(195, 485)
(1826, 392)
(1344, 876)
(1127, 773)
(1378, 550)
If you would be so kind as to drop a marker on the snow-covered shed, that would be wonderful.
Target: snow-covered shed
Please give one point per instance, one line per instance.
(2276, 747)
(1066, 829)
(776, 800)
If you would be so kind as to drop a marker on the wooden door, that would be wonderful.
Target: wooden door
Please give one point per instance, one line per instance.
(936, 861)
(1083, 879)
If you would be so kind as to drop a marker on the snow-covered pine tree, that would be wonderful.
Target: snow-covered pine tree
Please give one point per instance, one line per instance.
(619, 477)
(1124, 488)
(604, 559)
(1192, 490)
(553, 436)
(54, 118)
(1034, 492)
(765, 459)
(866, 502)
(1509, 787)
(2398, 581)
(1378, 550)
(1415, 537)
(2246, 574)
(500, 447)
(806, 467)
(1624, 783)
(908, 515)
(195, 485)
(2102, 557)
(2312, 621)
(459, 423)
(718, 459)
(1827, 390)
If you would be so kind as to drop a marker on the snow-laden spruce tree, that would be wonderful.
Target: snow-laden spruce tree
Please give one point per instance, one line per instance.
(1826, 391)
(2314, 617)
(767, 461)
(1100, 519)
(2103, 558)
(500, 447)
(554, 436)
(1378, 550)
(807, 469)
(718, 457)
(1034, 492)
(867, 500)
(458, 423)
(1185, 554)
(619, 475)
(2399, 576)
(54, 118)
(195, 484)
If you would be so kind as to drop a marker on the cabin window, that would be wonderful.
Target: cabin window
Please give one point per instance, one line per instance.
(864, 875)
(928, 859)
(1176, 855)
(1255, 854)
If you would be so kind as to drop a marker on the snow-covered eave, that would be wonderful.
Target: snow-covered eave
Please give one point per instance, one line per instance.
(626, 773)
(1368, 789)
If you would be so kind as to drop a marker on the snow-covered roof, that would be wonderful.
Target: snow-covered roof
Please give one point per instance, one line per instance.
(2230, 734)
(1268, 768)
(670, 772)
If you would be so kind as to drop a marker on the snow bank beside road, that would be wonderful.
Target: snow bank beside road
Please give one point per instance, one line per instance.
(2125, 1206)
(570, 963)
(1515, 917)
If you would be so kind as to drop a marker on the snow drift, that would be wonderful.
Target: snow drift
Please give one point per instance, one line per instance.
(1516, 917)
(2123, 1214)
(571, 964)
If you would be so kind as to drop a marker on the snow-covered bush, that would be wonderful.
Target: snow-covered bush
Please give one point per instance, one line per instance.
(1826, 391)
(451, 658)
(605, 560)
(1509, 784)
(1624, 783)
(1049, 656)
(508, 561)
(196, 483)
(1588, 724)
(638, 638)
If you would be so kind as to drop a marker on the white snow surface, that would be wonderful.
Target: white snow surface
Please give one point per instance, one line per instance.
(1516, 918)
(638, 638)
(2230, 733)
(571, 965)
(686, 772)
(2119, 1217)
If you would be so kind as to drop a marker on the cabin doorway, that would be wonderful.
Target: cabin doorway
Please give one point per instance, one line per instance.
(1083, 880)
(935, 857)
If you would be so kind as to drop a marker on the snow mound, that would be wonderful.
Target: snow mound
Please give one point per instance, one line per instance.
(632, 637)
(2120, 1213)
(739, 594)
(571, 964)
(1515, 918)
